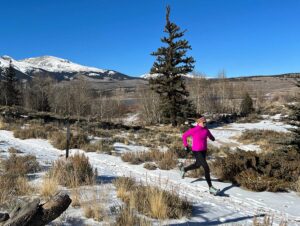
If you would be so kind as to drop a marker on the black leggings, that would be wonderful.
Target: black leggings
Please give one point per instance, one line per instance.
(200, 161)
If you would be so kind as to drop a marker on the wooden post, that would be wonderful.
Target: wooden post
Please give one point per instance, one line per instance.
(68, 138)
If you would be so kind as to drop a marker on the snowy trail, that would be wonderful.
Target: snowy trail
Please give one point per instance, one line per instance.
(241, 205)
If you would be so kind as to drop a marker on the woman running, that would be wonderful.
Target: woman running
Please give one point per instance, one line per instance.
(199, 135)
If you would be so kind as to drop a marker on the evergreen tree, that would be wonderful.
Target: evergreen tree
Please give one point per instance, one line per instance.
(171, 63)
(246, 106)
(11, 93)
(294, 120)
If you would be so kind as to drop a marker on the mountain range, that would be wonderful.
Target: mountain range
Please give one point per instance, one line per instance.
(58, 68)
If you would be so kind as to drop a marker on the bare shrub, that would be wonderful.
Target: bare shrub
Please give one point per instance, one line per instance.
(168, 161)
(152, 201)
(124, 185)
(128, 217)
(164, 160)
(12, 186)
(131, 157)
(73, 172)
(267, 221)
(269, 140)
(150, 166)
(35, 131)
(98, 146)
(94, 211)
(21, 165)
(277, 171)
(59, 140)
(251, 118)
(297, 185)
(13, 150)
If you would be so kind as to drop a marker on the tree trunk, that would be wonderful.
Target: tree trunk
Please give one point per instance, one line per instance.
(36, 214)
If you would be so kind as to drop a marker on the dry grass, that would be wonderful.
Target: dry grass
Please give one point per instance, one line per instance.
(297, 185)
(35, 131)
(20, 165)
(150, 166)
(128, 217)
(99, 146)
(268, 140)
(74, 172)
(59, 141)
(49, 187)
(164, 160)
(12, 186)
(266, 221)
(13, 150)
(152, 201)
(276, 171)
(168, 161)
(94, 203)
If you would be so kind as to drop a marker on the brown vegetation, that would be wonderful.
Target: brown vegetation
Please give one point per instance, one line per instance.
(269, 140)
(164, 160)
(73, 172)
(152, 201)
(20, 165)
(276, 171)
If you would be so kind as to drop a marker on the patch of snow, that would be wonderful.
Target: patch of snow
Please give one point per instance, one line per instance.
(55, 64)
(123, 148)
(131, 119)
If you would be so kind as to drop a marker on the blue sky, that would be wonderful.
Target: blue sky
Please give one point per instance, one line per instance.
(242, 37)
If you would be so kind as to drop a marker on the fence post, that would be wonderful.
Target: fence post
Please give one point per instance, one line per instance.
(68, 139)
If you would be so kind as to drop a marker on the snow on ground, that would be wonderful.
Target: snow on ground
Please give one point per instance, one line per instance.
(122, 148)
(235, 204)
(226, 135)
(131, 119)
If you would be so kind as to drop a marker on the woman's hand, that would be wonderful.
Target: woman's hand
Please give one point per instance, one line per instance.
(187, 149)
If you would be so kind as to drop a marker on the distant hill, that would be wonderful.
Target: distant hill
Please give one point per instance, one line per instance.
(59, 69)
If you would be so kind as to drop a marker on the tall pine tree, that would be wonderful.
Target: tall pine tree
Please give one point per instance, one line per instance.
(11, 93)
(294, 120)
(171, 63)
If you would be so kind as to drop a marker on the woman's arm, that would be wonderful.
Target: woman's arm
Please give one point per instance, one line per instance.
(210, 135)
(185, 136)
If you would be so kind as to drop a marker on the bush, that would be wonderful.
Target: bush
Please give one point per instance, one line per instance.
(74, 171)
(128, 217)
(150, 166)
(59, 141)
(13, 185)
(49, 187)
(21, 165)
(168, 161)
(99, 146)
(35, 131)
(277, 171)
(164, 160)
(152, 201)
(246, 106)
(268, 140)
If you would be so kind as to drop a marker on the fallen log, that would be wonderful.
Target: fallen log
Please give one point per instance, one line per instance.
(35, 214)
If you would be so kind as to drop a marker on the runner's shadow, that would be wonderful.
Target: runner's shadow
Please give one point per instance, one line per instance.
(202, 179)
(217, 221)
(104, 179)
(222, 192)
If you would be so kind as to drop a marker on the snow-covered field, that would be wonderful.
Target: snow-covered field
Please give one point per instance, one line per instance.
(236, 205)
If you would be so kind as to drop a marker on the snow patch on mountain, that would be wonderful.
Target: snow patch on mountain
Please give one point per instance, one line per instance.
(55, 64)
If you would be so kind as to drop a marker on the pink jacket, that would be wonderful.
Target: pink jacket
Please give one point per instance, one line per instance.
(199, 135)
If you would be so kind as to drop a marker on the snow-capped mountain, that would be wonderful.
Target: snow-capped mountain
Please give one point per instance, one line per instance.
(60, 69)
